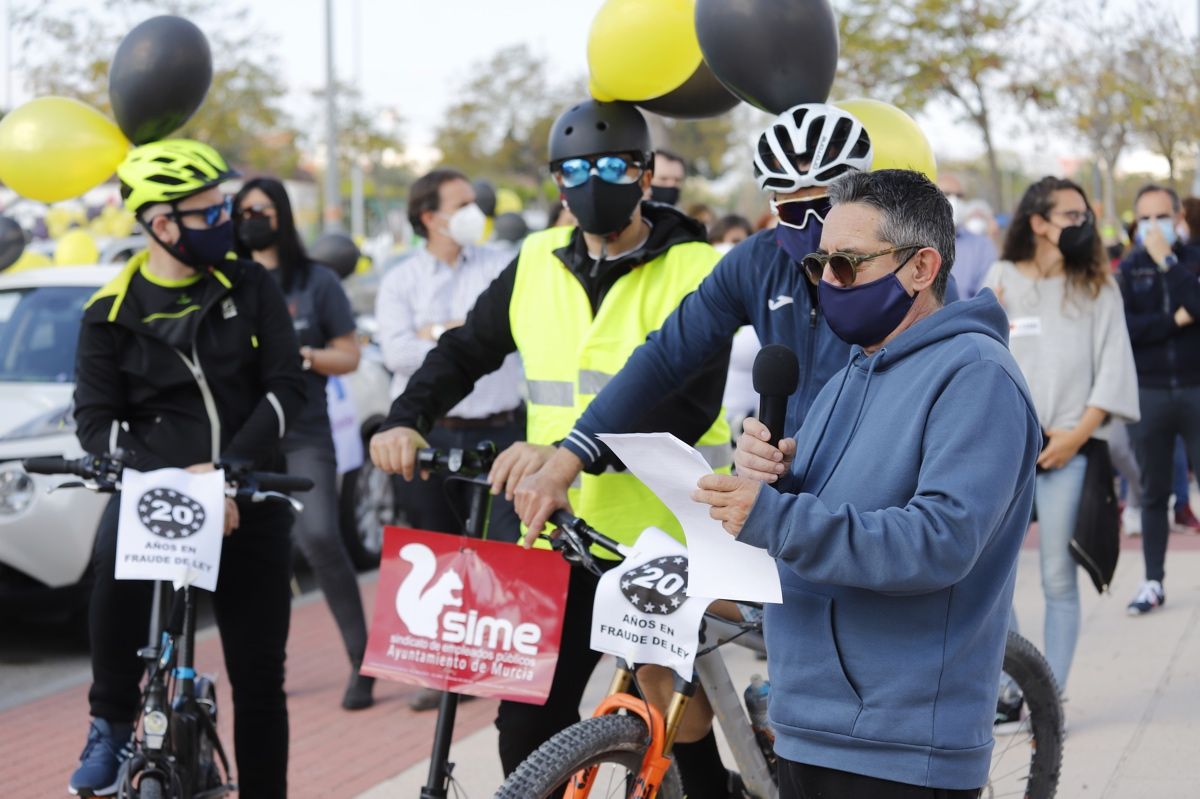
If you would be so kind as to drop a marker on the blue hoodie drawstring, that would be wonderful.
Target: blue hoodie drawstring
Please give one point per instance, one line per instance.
(829, 417)
(857, 421)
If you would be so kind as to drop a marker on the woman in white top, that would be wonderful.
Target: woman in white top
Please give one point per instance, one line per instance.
(1067, 332)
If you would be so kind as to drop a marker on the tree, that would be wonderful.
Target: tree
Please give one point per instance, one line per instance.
(1163, 68)
(1097, 96)
(703, 144)
(915, 52)
(500, 123)
(66, 50)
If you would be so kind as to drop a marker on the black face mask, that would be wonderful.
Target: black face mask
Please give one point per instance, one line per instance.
(665, 194)
(603, 208)
(256, 233)
(1077, 243)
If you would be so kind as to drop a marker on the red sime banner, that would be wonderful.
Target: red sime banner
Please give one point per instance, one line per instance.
(469, 616)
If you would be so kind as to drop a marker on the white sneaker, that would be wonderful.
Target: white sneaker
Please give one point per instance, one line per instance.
(1149, 597)
(1131, 520)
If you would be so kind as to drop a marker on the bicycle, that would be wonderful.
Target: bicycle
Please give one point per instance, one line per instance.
(178, 753)
(626, 746)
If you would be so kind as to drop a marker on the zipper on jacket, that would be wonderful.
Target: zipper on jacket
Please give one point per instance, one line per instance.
(210, 404)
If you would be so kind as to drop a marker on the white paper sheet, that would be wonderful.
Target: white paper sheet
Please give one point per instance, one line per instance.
(721, 566)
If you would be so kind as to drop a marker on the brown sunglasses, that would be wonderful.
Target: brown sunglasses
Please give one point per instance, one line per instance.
(846, 265)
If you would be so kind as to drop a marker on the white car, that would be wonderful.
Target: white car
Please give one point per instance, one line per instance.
(46, 538)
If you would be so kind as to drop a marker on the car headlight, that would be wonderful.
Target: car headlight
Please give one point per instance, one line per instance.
(16, 490)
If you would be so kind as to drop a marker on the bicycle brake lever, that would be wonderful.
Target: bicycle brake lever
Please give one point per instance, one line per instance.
(259, 496)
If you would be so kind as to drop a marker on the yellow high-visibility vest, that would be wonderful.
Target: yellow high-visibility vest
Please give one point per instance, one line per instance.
(569, 355)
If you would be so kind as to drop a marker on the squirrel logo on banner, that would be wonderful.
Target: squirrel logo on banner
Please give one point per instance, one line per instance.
(418, 604)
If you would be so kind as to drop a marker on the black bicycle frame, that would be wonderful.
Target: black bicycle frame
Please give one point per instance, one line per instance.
(479, 505)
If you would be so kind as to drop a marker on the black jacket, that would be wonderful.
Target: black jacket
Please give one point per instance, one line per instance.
(480, 345)
(136, 392)
(1167, 355)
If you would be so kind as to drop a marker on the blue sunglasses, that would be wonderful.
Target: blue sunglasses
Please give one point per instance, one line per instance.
(610, 168)
(212, 214)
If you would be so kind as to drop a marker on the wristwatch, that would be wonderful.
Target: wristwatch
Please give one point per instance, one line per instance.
(306, 354)
(436, 331)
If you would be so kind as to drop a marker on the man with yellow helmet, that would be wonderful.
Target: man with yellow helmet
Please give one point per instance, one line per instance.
(188, 358)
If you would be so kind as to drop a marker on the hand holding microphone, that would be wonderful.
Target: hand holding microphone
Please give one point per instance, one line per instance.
(762, 453)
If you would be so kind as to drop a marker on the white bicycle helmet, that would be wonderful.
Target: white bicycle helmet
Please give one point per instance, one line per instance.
(811, 144)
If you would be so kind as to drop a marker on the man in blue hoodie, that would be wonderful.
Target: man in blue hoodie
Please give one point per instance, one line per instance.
(897, 526)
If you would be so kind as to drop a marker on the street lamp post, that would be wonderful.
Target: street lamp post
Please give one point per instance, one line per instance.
(333, 199)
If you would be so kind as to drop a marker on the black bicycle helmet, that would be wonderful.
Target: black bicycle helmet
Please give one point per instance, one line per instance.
(593, 127)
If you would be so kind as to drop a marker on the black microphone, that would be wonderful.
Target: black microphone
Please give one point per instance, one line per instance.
(776, 375)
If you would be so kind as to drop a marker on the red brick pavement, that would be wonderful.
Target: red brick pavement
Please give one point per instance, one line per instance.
(333, 753)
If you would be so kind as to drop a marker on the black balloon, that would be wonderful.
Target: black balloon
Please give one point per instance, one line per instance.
(485, 196)
(511, 227)
(12, 242)
(159, 77)
(337, 251)
(701, 95)
(772, 54)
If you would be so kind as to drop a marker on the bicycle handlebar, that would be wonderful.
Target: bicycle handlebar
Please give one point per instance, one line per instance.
(105, 471)
(574, 540)
(465, 462)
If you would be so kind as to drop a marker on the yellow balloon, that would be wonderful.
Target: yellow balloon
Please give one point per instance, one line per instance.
(29, 260)
(599, 94)
(76, 248)
(53, 148)
(508, 202)
(642, 49)
(896, 139)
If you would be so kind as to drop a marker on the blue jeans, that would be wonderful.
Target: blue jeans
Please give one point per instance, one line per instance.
(1057, 501)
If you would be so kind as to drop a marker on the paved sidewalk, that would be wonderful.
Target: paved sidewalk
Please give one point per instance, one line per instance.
(1134, 705)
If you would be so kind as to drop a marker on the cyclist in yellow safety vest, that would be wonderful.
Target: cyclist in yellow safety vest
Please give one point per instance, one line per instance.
(575, 303)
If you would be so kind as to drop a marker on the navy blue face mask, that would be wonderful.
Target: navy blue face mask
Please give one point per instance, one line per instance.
(205, 247)
(866, 314)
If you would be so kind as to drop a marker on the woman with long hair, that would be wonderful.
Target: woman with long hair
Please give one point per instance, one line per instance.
(325, 326)
(1068, 335)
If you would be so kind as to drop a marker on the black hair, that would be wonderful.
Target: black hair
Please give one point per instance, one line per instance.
(1090, 272)
(425, 195)
(672, 156)
(1150, 188)
(294, 264)
(912, 210)
(727, 223)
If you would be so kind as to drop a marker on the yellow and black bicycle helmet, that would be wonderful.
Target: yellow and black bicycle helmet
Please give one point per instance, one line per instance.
(167, 171)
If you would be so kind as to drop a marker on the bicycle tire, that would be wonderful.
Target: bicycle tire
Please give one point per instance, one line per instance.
(620, 740)
(150, 786)
(1029, 669)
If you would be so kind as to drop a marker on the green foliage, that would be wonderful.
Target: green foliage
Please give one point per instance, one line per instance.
(65, 49)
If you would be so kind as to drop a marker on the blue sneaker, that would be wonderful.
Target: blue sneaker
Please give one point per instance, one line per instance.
(108, 745)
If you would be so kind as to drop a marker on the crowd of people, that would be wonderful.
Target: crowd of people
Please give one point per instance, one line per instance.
(950, 389)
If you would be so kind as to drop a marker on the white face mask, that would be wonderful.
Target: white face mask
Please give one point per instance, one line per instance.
(466, 225)
(977, 226)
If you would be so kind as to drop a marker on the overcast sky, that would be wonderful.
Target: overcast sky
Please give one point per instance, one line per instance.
(410, 54)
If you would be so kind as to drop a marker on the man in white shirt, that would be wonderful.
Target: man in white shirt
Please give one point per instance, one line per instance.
(421, 298)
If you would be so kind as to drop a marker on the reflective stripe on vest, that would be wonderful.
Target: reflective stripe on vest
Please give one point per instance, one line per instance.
(570, 355)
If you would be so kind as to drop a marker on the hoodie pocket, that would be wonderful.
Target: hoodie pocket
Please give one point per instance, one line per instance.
(809, 687)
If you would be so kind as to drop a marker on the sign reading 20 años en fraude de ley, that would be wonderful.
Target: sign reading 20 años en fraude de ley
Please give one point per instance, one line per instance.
(171, 527)
(468, 616)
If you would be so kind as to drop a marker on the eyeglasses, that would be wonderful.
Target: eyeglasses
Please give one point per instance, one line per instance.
(256, 210)
(796, 213)
(211, 215)
(610, 168)
(1075, 218)
(846, 266)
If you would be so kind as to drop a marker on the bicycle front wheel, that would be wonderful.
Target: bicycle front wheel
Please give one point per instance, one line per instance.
(1026, 762)
(615, 744)
(150, 786)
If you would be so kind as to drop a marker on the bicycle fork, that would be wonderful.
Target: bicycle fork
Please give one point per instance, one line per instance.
(662, 730)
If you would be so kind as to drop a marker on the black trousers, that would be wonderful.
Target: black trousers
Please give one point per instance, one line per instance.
(253, 610)
(1166, 414)
(800, 781)
(425, 500)
(523, 727)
